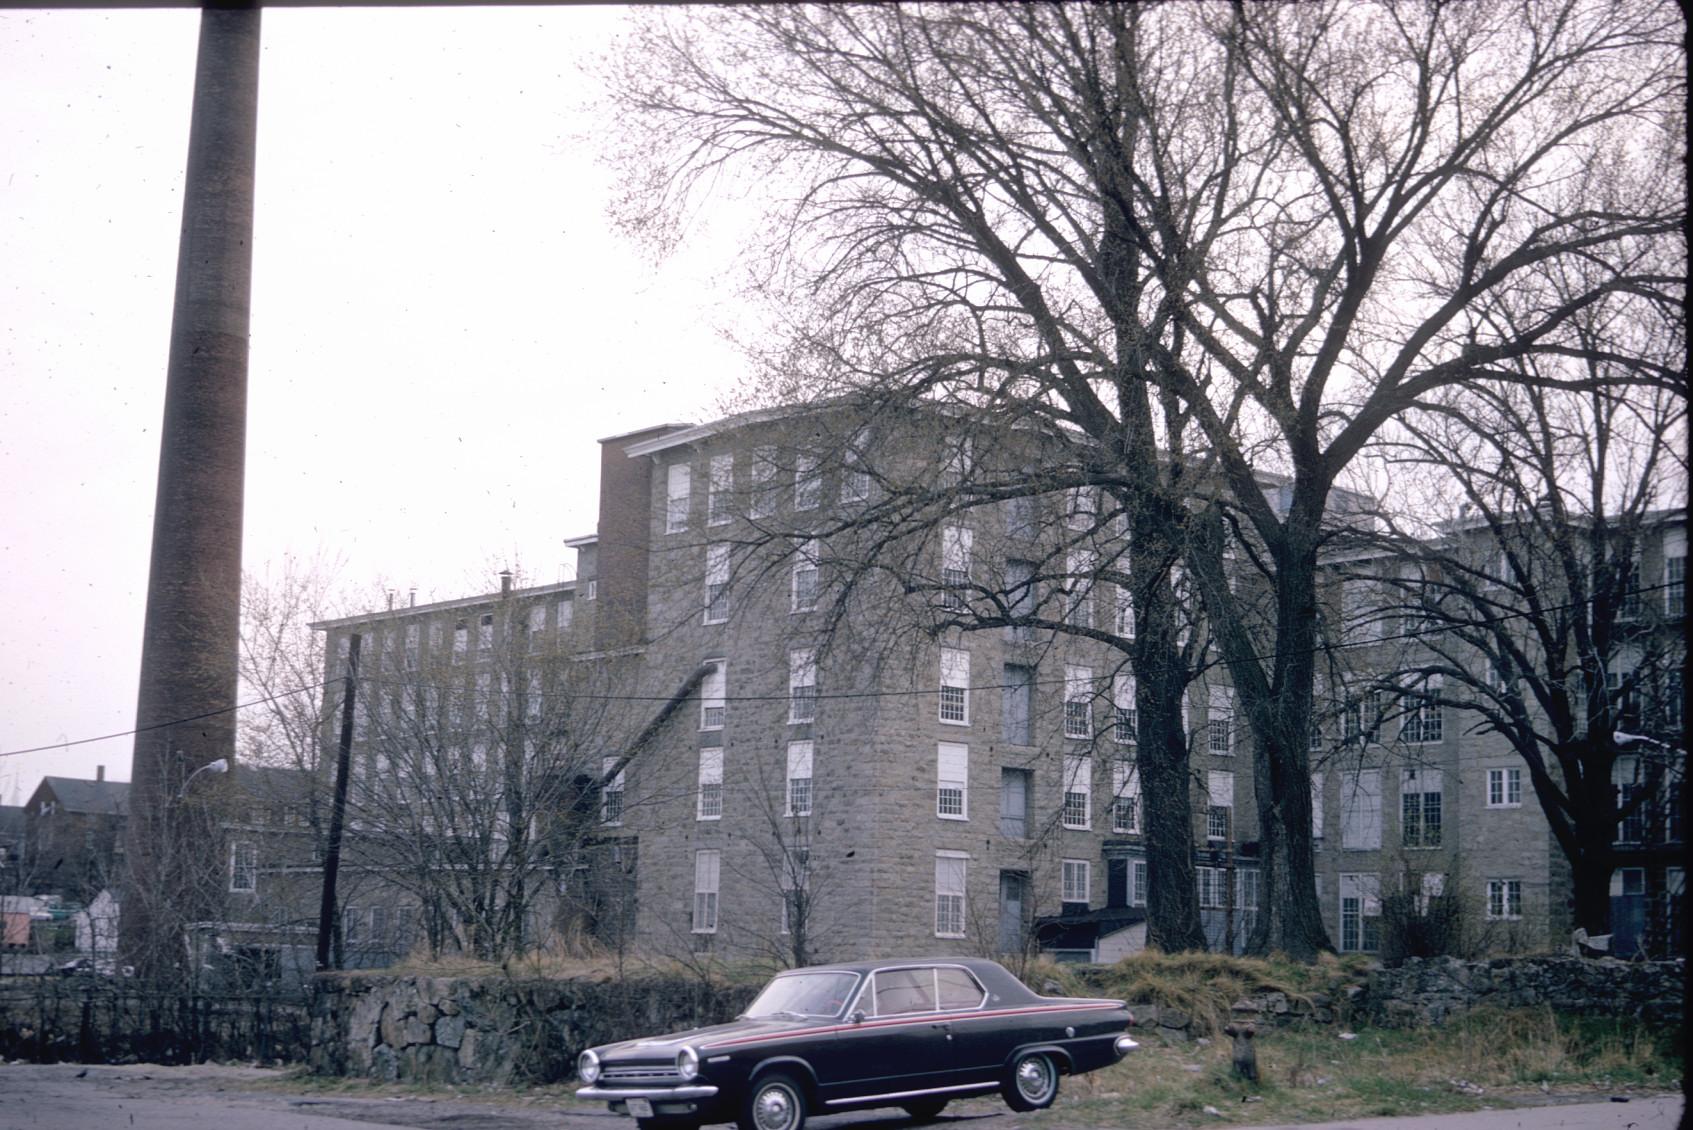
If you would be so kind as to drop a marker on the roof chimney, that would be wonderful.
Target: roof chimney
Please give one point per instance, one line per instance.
(99, 772)
(412, 603)
(505, 583)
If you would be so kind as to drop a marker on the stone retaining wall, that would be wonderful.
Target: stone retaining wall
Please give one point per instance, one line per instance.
(1428, 990)
(459, 1030)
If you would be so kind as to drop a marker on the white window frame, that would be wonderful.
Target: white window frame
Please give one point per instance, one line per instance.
(1078, 793)
(957, 546)
(802, 685)
(1125, 798)
(708, 878)
(1080, 568)
(952, 781)
(1075, 881)
(244, 872)
(1424, 722)
(808, 483)
(1675, 573)
(1124, 613)
(720, 489)
(678, 496)
(1368, 908)
(709, 805)
(717, 568)
(1505, 787)
(611, 794)
(1138, 873)
(1504, 900)
(1219, 722)
(801, 756)
(1360, 810)
(1421, 782)
(565, 614)
(1219, 797)
(803, 581)
(855, 472)
(714, 695)
(1125, 719)
(953, 708)
(952, 873)
(1078, 702)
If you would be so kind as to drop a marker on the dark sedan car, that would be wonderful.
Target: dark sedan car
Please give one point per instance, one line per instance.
(911, 1034)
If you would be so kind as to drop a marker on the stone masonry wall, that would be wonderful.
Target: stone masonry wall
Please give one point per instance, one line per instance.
(463, 1030)
(1428, 990)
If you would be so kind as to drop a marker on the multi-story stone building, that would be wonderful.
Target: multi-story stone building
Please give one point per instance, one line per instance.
(758, 774)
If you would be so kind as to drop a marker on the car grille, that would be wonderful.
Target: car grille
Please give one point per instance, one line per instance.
(640, 1075)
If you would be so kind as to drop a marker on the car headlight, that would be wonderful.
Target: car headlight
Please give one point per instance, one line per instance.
(687, 1063)
(588, 1067)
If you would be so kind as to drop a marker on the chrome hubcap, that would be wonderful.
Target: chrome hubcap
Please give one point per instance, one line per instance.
(774, 1109)
(1032, 1077)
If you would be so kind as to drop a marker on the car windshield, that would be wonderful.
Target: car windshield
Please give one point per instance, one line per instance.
(804, 994)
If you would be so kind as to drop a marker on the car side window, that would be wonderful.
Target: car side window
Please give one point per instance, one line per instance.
(959, 988)
(904, 990)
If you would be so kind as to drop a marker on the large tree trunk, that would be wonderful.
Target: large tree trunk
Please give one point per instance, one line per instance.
(1590, 877)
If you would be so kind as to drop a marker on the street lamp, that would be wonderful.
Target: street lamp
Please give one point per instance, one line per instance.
(220, 765)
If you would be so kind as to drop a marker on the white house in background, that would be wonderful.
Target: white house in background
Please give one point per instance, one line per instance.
(97, 926)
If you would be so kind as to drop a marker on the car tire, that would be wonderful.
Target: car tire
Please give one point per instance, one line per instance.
(775, 1101)
(1031, 1082)
(924, 1109)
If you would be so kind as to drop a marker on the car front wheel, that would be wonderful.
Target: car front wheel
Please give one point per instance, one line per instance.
(1031, 1083)
(774, 1102)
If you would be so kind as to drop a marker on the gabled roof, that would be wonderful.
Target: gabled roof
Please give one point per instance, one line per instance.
(11, 822)
(77, 794)
(274, 784)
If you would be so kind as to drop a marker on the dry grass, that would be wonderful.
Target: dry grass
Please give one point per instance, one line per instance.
(1205, 986)
(1309, 1073)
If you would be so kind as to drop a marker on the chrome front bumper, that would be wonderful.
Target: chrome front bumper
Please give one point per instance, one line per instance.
(656, 1094)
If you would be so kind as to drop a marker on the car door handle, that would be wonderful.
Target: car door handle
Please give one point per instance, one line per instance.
(944, 1027)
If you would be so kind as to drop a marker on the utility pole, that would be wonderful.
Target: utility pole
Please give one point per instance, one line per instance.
(338, 809)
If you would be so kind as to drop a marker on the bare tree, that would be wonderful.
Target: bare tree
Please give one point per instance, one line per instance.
(1197, 243)
(470, 771)
(1542, 603)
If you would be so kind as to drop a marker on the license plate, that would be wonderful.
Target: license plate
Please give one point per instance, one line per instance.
(640, 1108)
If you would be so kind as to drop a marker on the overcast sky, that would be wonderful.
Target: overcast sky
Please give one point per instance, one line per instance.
(443, 323)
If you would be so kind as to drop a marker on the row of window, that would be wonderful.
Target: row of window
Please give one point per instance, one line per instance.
(410, 638)
(765, 478)
(1360, 905)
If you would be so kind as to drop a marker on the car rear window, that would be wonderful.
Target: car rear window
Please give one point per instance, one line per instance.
(904, 990)
(959, 988)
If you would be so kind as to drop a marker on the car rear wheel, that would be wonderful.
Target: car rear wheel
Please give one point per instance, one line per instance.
(924, 1109)
(774, 1102)
(1031, 1083)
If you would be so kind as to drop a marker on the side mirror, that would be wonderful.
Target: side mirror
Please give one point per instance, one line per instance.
(857, 1016)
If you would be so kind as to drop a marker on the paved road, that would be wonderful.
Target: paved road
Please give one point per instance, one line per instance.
(74, 1097)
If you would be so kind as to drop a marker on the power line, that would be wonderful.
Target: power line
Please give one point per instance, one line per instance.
(167, 725)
